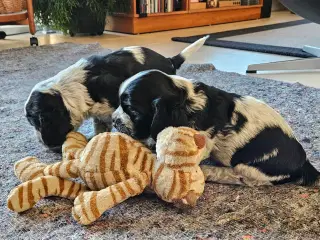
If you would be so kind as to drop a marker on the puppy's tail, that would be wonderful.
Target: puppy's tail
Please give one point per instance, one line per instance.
(179, 59)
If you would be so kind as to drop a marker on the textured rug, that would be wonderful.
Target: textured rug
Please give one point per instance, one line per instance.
(224, 212)
(230, 39)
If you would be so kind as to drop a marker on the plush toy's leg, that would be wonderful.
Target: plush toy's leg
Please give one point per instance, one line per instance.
(73, 146)
(89, 206)
(29, 168)
(26, 195)
(223, 175)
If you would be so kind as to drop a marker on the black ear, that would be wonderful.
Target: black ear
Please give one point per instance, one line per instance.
(167, 113)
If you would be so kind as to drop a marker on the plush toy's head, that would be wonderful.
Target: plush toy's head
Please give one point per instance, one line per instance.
(177, 176)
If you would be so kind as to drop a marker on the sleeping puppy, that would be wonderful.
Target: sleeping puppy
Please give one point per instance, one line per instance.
(89, 88)
(252, 142)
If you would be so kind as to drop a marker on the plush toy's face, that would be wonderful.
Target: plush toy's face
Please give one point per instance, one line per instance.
(179, 152)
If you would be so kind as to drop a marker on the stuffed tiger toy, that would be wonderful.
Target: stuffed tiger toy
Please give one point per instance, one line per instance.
(114, 167)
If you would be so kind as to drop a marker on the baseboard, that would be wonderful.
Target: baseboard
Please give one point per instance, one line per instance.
(14, 29)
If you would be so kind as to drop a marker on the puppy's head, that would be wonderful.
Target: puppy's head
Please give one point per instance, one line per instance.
(151, 101)
(47, 113)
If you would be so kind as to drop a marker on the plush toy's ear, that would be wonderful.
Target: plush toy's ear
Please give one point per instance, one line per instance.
(167, 112)
(200, 140)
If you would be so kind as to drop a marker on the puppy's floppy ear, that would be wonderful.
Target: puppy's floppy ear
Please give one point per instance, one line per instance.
(167, 112)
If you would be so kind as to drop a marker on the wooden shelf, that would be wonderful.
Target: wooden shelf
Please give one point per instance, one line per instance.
(134, 24)
(166, 13)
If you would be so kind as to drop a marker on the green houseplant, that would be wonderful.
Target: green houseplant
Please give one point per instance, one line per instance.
(77, 16)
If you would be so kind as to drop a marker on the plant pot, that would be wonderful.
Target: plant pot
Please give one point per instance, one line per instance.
(84, 21)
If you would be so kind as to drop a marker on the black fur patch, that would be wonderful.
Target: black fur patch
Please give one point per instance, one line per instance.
(48, 114)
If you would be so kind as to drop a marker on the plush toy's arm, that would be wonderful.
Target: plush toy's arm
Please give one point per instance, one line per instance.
(89, 206)
(30, 168)
(73, 146)
(26, 195)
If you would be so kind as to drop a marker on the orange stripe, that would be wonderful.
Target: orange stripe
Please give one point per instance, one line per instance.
(93, 205)
(51, 170)
(57, 169)
(71, 189)
(186, 129)
(182, 153)
(61, 185)
(36, 173)
(183, 183)
(30, 194)
(79, 190)
(120, 190)
(10, 206)
(117, 176)
(123, 153)
(139, 181)
(45, 186)
(113, 160)
(156, 176)
(112, 195)
(151, 162)
(83, 209)
(144, 162)
(136, 157)
(178, 166)
(72, 146)
(68, 169)
(173, 185)
(130, 190)
(103, 155)
(93, 181)
(84, 142)
(104, 180)
(183, 141)
(20, 194)
(93, 146)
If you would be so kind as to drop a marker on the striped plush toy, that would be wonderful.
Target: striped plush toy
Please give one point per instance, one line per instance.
(114, 167)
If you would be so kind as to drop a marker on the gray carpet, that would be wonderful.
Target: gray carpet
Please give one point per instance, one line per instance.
(224, 212)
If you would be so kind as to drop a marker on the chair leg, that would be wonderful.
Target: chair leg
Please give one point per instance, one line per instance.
(32, 25)
(300, 64)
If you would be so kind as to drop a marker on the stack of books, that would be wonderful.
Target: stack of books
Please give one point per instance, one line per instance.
(156, 6)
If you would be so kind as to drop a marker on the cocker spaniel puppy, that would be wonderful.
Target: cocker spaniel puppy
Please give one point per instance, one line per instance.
(89, 88)
(252, 142)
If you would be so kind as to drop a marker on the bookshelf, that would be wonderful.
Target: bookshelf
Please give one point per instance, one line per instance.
(137, 21)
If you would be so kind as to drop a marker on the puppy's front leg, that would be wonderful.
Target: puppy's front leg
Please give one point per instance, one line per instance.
(224, 175)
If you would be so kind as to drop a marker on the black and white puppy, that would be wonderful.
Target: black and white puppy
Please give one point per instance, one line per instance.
(252, 142)
(89, 88)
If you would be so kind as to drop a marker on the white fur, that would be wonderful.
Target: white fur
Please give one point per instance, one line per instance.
(199, 99)
(125, 119)
(259, 116)
(194, 47)
(137, 53)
